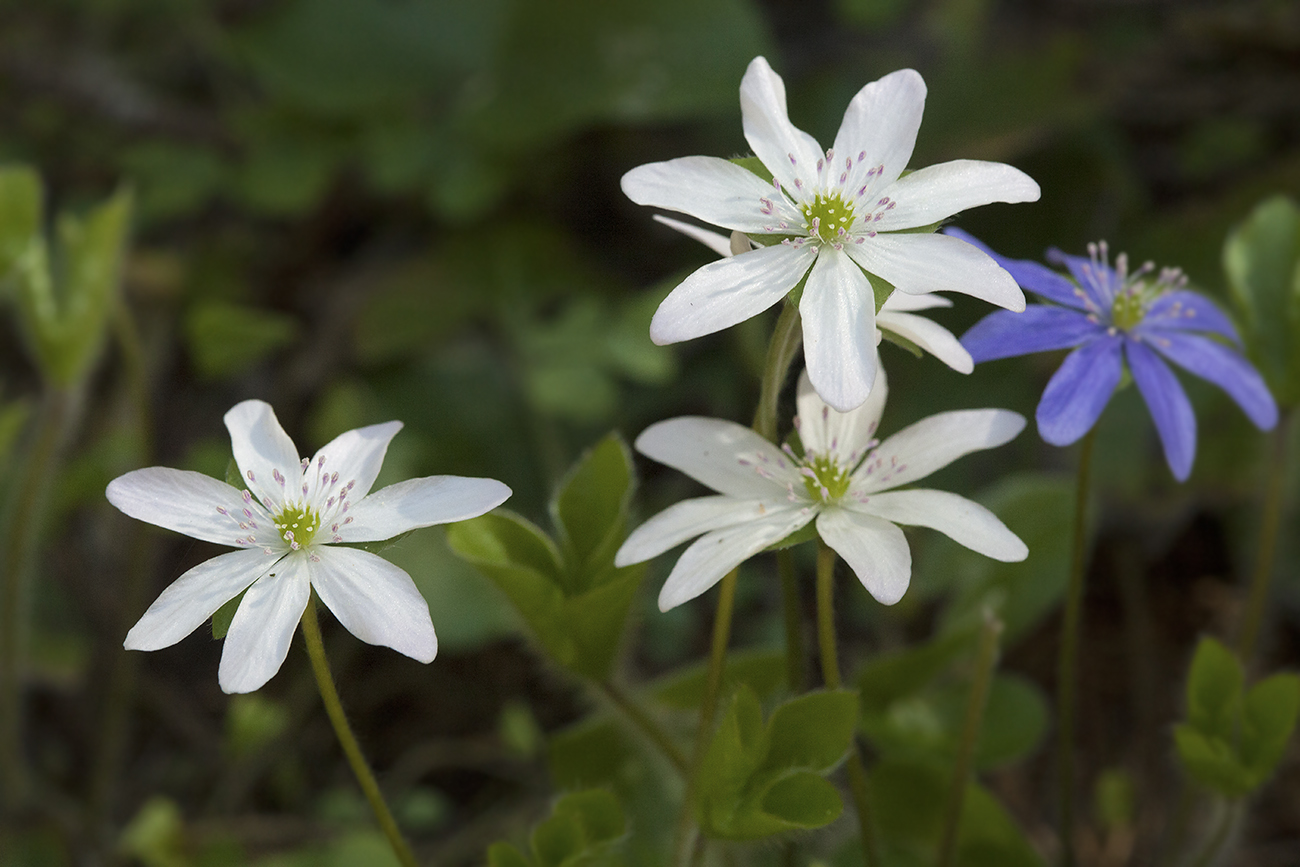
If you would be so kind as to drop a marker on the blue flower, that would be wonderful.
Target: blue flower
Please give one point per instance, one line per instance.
(1110, 316)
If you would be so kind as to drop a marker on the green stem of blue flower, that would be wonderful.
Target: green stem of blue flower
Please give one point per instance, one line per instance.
(986, 658)
(334, 709)
(1266, 547)
(831, 675)
(1068, 661)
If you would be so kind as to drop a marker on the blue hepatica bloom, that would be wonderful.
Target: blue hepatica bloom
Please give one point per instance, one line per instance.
(1111, 317)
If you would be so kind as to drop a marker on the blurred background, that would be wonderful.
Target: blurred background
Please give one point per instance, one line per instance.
(361, 210)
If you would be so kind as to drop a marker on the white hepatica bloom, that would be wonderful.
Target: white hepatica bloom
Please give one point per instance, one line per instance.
(847, 211)
(283, 524)
(896, 316)
(844, 480)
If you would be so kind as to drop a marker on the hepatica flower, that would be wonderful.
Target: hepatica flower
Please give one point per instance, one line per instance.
(897, 315)
(845, 480)
(844, 215)
(1112, 316)
(288, 525)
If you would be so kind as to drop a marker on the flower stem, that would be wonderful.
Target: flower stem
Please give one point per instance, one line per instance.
(1227, 818)
(786, 339)
(643, 721)
(986, 658)
(1266, 548)
(831, 676)
(794, 668)
(334, 708)
(1068, 661)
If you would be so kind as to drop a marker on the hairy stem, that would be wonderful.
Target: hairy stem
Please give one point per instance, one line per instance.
(1068, 662)
(334, 709)
(794, 667)
(831, 675)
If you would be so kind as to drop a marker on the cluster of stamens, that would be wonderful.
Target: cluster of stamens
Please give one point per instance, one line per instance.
(1131, 294)
(299, 517)
(829, 209)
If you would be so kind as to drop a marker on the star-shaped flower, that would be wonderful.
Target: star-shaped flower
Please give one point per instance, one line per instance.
(844, 214)
(287, 524)
(897, 315)
(844, 480)
(1111, 316)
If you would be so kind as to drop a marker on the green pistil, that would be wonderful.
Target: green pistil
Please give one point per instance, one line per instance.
(831, 215)
(297, 525)
(831, 479)
(1129, 308)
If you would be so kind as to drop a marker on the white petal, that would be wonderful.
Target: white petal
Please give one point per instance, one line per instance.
(715, 241)
(932, 443)
(965, 522)
(262, 449)
(414, 503)
(187, 502)
(838, 310)
(875, 550)
(375, 600)
(929, 335)
(715, 554)
(904, 303)
(729, 291)
(728, 457)
(355, 455)
(879, 128)
(688, 519)
(195, 596)
(920, 263)
(789, 153)
(930, 194)
(714, 190)
(846, 435)
(260, 634)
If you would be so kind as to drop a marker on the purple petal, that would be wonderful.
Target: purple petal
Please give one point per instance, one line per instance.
(1170, 409)
(1079, 391)
(1100, 285)
(1188, 311)
(1220, 365)
(1004, 334)
(1031, 275)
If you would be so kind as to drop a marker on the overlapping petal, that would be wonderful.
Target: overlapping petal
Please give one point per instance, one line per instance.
(263, 626)
(964, 521)
(356, 455)
(1098, 281)
(416, 503)
(879, 129)
(1225, 368)
(932, 443)
(1078, 392)
(1040, 328)
(844, 435)
(683, 521)
(873, 548)
(261, 449)
(929, 335)
(919, 263)
(195, 596)
(729, 291)
(1168, 404)
(711, 189)
(715, 241)
(375, 601)
(838, 310)
(1032, 276)
(936, 192)
(726, 456)
(789, 153)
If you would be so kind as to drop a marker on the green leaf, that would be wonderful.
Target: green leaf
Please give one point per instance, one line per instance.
(1212, 762)
(593, 752)
(20, 214)
(226, 339)
(505, 855)
(590, 511)
(1268, 720)
(502, 539)
(888, 677)
(1214, 688)
(803, 800)
(1015, 721)
(597, 813)
(738, 746)
(762, 671)
(1261, 258)
(556, 840)
(812, 731)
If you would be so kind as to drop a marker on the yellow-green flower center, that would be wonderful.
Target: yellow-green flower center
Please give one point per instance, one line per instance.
(829, 480)
(828, 217)
(297, 525)
(1129, 307)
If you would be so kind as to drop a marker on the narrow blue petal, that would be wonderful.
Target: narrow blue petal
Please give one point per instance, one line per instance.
(1169, 406)
(1222, 366)
(1080, 390)
(1188, 311)
(1031, 275)
(1004, 334)
(1098, 281)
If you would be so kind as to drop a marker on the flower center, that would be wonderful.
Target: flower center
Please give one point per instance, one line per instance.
(825, 478)
(828, 217)
(297, 525)
(1128, 309)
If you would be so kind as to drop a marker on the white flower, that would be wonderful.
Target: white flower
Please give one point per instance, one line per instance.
(283, 524)
(843, 480)
(896, 316)
(845, 211)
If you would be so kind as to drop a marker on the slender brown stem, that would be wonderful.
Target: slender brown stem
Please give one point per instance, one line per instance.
(643, 721)
(831, 675)
(1266, 547)
(986, 659)
(334, 709)
(1068, 662)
